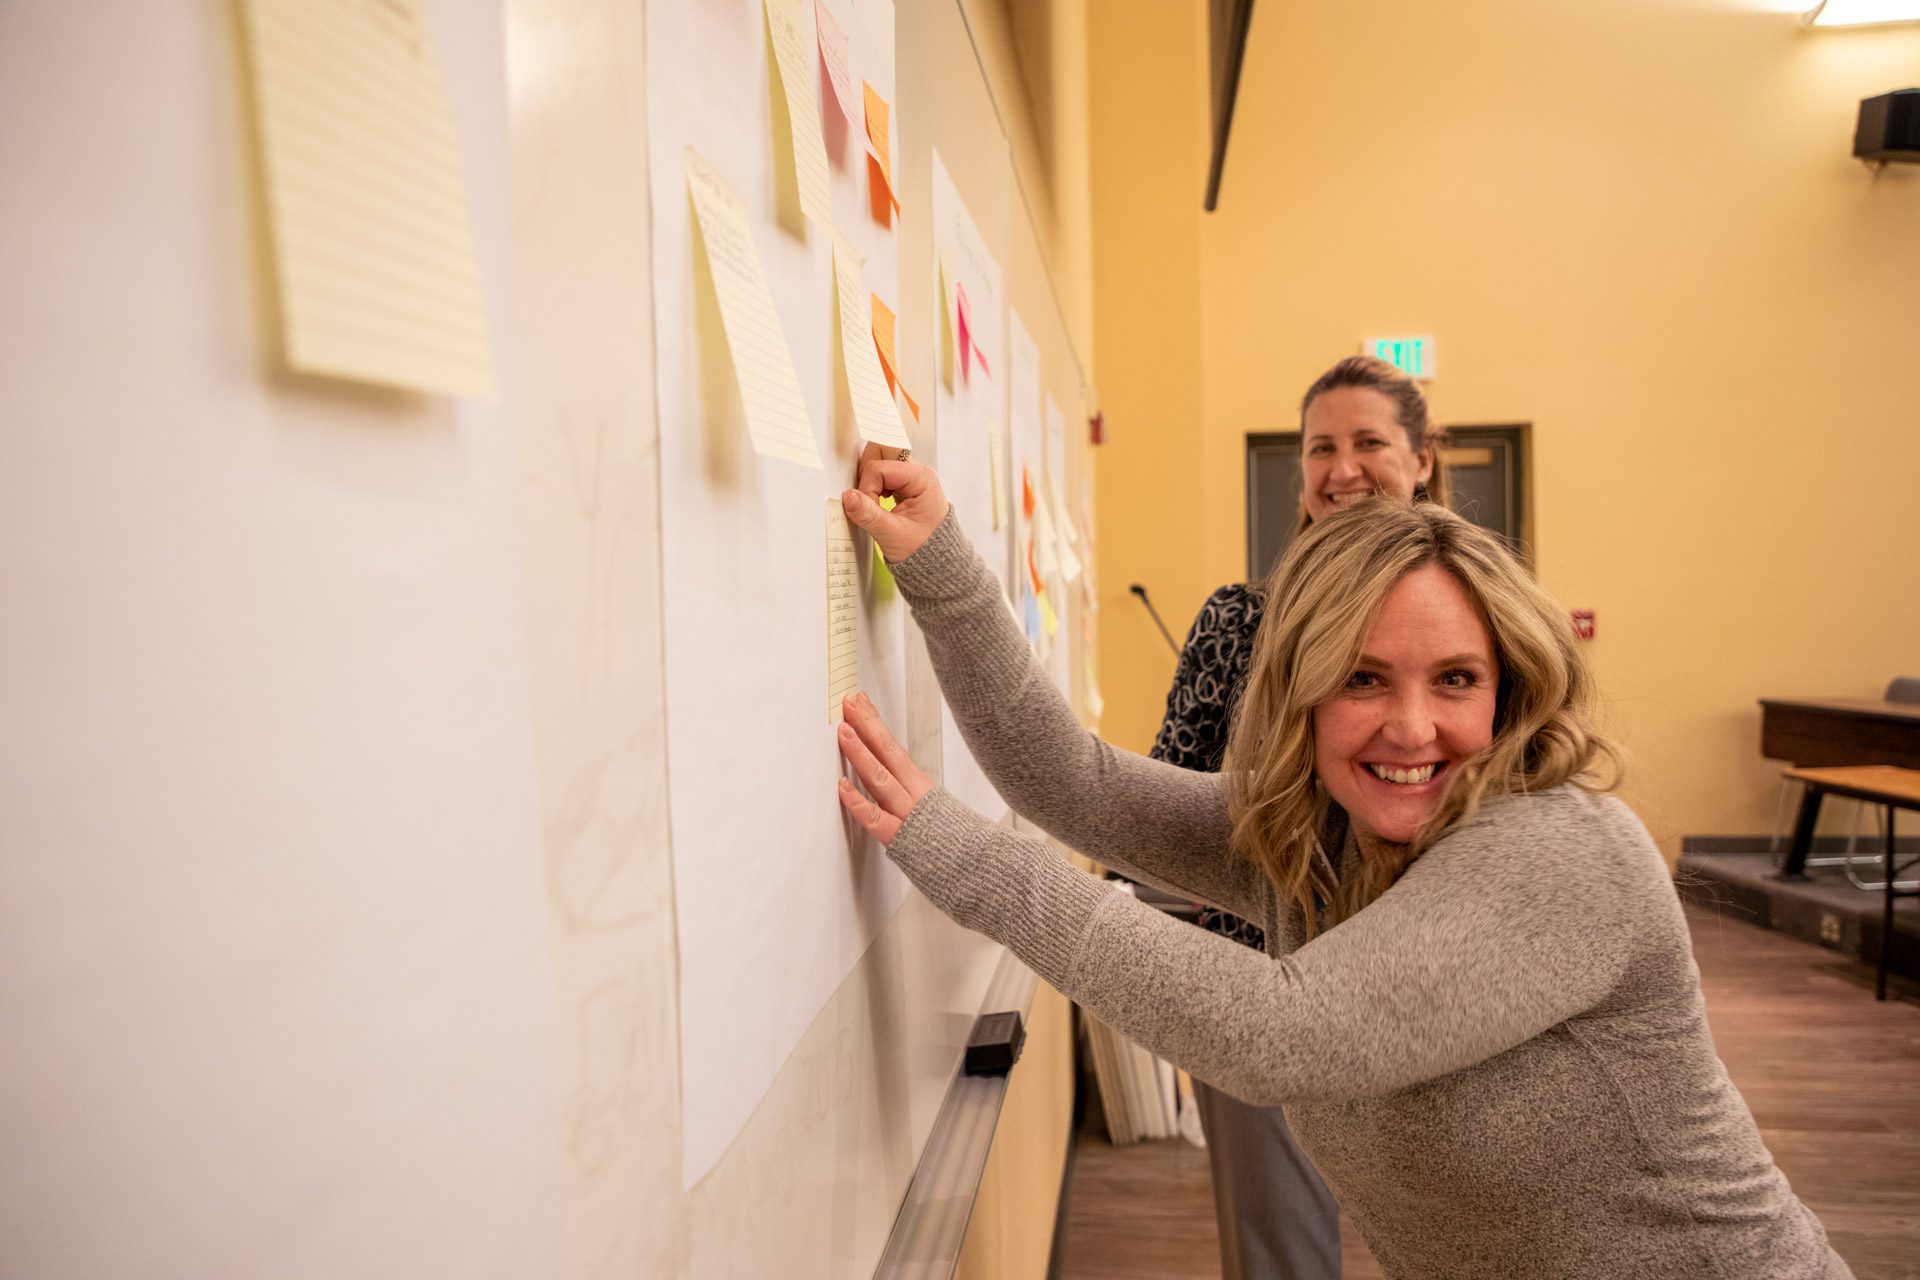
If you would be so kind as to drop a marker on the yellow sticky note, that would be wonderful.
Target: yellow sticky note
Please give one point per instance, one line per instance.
(777, 418)
(371, 240)
(1096, 705)
(1062, 526)
(943, 286)
(1046, 548)
(843, 611)
(1048, 618)
(793, 58)
(883, 584)
(997, 464)
(874, 413)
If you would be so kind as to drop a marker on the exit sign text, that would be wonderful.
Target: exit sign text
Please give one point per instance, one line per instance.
(1413, 356)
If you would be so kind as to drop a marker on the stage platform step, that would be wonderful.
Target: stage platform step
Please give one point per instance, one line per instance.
(1824, 909)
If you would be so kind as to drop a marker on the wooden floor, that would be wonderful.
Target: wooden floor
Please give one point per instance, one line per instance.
(1832, 1076)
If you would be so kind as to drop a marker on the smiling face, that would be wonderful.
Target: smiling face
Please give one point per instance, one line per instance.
(1420, 701)
(1353, 446)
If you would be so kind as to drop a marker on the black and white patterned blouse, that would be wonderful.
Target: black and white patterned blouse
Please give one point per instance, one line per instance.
(1206, 684)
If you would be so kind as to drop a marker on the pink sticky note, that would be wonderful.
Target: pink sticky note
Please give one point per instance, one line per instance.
(963, 335)
(970, 351)
(833, 52)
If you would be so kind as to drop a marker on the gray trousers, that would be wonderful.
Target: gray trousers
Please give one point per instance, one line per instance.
(1277, 1219)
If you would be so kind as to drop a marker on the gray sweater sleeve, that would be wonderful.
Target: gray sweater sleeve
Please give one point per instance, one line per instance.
(1509, 925)
(1512, 923)
(1152, 821)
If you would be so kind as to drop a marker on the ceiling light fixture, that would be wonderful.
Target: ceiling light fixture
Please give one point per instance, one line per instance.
(1861, 13)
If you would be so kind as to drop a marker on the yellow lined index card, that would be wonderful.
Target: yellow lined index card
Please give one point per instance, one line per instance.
(843, 611)
(769, 390)
(874, 412)
(794, 58)
(371, 239)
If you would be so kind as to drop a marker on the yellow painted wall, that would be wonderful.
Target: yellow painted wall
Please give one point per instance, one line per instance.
(1636, 226)
(1148, 90)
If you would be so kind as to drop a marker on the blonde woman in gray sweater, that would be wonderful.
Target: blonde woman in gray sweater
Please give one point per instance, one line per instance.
(1479, 1004)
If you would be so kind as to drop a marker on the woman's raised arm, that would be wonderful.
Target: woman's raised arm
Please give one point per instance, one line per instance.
(1154, 821)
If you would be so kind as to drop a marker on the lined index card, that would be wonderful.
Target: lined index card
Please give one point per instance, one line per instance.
(833, 54)
(793, 56)
(777, 418)
(874, 412)
(371, 237)
(843, 611)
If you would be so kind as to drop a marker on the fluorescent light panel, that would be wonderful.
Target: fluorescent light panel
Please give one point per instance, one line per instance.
(1861, 13)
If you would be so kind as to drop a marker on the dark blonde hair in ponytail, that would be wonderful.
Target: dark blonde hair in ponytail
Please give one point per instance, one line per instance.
(1321, 600)
(1409, 410)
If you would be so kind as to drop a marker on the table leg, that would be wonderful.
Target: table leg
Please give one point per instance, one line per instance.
(1795, 867)
(1886, 916)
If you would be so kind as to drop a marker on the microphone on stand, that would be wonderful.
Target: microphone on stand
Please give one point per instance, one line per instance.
(1141, 591)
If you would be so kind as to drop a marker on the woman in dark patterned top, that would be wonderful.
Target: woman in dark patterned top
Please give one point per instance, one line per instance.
(1365, 429)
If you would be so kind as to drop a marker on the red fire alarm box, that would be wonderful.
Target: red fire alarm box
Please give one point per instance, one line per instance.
(1583, 624)
(1097, 428)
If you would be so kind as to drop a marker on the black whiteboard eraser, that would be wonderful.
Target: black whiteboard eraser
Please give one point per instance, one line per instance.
(994, 1046)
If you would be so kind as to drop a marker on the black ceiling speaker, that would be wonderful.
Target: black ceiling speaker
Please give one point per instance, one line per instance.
(1889, 127)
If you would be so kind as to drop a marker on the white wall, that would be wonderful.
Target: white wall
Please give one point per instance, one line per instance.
(274, 990)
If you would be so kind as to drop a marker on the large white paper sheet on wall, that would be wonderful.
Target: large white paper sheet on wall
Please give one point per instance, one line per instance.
(1024, 454)
(1059, 654)
(776, 899)
(970, 363)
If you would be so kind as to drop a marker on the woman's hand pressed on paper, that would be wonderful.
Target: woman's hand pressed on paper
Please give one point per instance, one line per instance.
(889, 775)
(919, 503)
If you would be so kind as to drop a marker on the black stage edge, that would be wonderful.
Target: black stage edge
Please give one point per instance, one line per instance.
(1735, 876)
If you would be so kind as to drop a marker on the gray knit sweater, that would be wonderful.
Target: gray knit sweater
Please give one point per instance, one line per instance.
(1502, 1065)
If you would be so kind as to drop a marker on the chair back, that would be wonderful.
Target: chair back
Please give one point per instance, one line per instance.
(1904, 689)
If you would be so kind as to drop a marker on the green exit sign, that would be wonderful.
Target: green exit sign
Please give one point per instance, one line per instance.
(1414, 356)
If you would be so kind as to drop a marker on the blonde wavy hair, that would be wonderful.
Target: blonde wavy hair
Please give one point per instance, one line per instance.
(1321, 600)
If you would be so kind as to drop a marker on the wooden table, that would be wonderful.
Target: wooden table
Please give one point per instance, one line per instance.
(1874, 784)
(1812, 732)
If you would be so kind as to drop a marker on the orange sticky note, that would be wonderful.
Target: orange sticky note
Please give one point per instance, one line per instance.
(879, 138)
(1026, 492)
(883, 339)
(883, 328)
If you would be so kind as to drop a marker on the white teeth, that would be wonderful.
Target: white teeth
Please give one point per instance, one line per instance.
(1341, 499)
(1404, 776)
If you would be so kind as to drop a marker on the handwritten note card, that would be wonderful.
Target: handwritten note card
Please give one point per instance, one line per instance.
(874, 413)
(833, 55)
(794, 68)
(843, 611)
(777, 418)
(371, 241)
